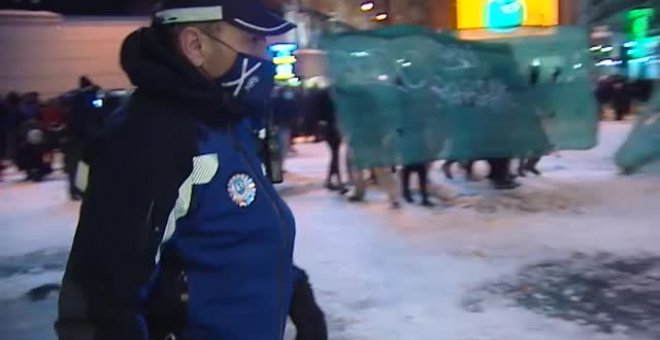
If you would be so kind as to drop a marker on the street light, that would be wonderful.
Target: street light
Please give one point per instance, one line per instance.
(367, 6)
(381, 16)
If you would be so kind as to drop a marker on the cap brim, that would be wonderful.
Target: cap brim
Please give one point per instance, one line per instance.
(264, 23)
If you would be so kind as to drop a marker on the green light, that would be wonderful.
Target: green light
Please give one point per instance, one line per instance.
(638, 23)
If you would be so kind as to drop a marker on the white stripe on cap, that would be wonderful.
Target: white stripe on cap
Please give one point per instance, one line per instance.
(192, 14)
(259, 28)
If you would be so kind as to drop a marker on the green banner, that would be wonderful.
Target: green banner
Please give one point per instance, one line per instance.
(643, 144)
(563, 92)
(406, 95)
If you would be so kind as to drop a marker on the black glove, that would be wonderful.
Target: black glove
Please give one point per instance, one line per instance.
(304, 312)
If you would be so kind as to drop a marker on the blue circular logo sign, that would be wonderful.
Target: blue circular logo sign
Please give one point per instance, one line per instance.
(242, 190)
(505, 14)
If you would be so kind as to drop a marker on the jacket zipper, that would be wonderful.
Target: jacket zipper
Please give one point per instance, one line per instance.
(283, 229)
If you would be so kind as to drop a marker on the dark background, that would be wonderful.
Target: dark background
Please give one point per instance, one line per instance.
(84, 7)
(96, 7)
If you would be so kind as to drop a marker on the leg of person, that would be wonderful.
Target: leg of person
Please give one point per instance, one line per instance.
(336, 168)
(305, 313)
(495, 169)
(33, 163)
(337, 154)
(522, 169)
(285, 140)
(387, 181)
(620, 111)
(70, 169)
(422, 173)
(72, 156)
(334, 163)
(507, 168)
(500, 174)
(357, 177)
(468, 166)
(359, 187)
(373, 177)
(331, 167)
(405, 184)
(46, 164)
(349, 167)
(531, 165)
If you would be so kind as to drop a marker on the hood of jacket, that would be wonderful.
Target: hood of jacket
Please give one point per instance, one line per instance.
(166, 77)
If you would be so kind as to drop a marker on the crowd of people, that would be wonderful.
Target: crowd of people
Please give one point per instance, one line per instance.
(29, 132)
(33, 131)
(621, 94)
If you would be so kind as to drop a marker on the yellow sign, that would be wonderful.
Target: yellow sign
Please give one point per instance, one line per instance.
(284, 60)
(506, 14)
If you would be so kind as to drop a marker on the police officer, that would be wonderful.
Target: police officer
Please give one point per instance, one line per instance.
(176, 200)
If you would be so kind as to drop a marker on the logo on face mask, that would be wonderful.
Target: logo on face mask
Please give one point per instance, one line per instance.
(251, 83)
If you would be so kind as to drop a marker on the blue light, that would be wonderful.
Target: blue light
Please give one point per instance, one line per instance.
(282, 54)
(505, 15)
(97, 103)
(283, 49)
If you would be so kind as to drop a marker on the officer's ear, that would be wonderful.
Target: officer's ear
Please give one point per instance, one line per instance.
(190, 41)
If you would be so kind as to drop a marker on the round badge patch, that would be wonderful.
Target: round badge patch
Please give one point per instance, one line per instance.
(242, 190)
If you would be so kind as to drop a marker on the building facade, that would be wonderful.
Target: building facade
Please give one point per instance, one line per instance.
(435, 14)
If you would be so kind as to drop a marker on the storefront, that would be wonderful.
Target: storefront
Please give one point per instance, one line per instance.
(498, 19)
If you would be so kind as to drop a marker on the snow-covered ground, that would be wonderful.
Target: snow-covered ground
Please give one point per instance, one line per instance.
(395, 274)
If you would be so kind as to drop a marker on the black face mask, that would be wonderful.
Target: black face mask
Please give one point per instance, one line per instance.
(250, 80)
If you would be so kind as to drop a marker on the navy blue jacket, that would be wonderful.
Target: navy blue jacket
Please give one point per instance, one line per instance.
(175, 185)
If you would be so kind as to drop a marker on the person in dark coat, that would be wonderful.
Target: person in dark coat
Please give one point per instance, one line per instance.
(327, 114)
(176, 196)
(82, 122)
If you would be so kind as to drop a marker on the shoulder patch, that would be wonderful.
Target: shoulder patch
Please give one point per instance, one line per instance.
(242, 189)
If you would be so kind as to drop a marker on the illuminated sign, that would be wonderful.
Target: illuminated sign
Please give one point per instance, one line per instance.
(284, 60)
(638, 24)
(506, 14)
